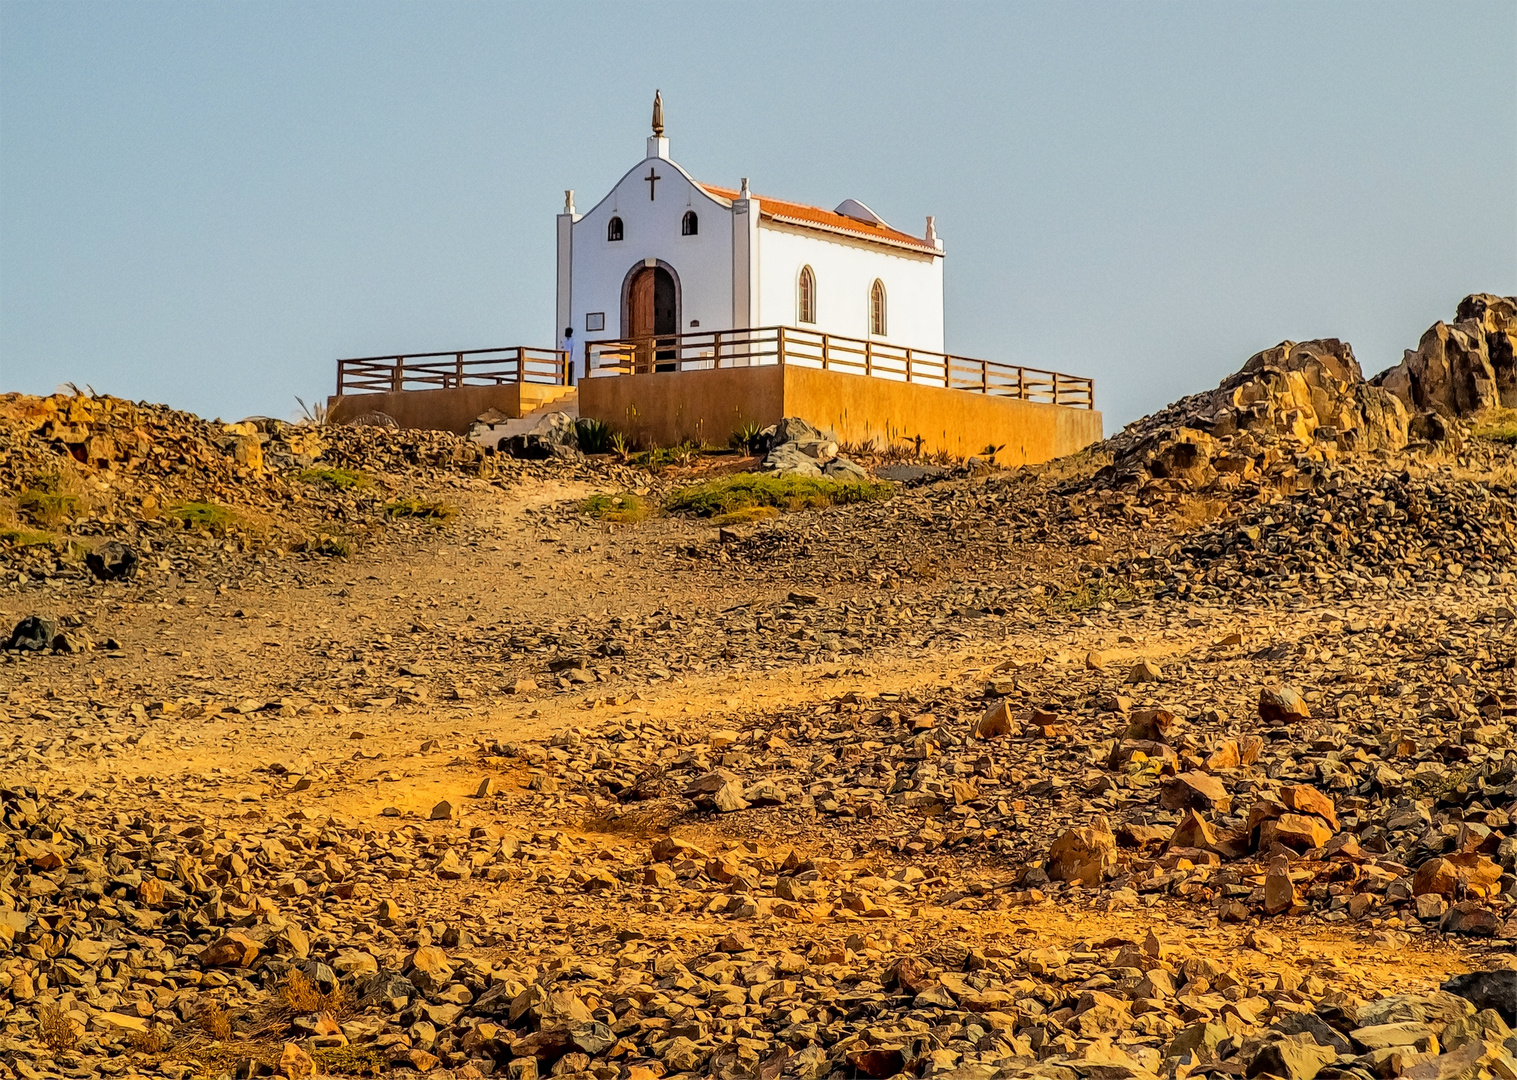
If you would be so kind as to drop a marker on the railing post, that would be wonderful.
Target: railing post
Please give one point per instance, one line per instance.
(716, 350)
(984, 377)
(826, 351)
(908, 365)
(869, 357)
(398, 379)
(780, 346)
(340, 365)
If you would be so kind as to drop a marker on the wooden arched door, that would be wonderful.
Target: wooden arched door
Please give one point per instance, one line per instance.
(653, 317)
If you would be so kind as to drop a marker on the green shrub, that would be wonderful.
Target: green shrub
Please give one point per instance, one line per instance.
(429, 509)
(337, 478)
(1499, 425)
(49, 507)
(26, 537)
(661, 456)
(201, 515)
(624, 507)
(594, 436)
(1092, 594)
(732, 494)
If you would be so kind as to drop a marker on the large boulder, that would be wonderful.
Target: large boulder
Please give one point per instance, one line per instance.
(1297, 389)
(1307, 397)
(1461, 369)
(553, 436)
(1497, 318)
(1087, 854)
(794, 447)
(1449, 372)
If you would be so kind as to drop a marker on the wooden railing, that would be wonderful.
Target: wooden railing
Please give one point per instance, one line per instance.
(831, 352)
(445, 370)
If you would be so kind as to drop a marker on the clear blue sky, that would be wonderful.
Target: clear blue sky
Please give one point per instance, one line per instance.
(206, 204)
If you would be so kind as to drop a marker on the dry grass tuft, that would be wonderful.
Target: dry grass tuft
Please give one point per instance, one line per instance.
(206, 516)
(351, 1061)
(57, 1029)
(52, 501)
(155, 1040)
(26, 537)
(216, 1022)
(301, 996)
(344, 479)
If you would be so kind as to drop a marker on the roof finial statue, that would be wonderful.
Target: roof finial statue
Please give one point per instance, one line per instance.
(658, 114)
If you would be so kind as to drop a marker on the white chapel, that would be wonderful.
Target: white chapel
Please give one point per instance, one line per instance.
(663, 254)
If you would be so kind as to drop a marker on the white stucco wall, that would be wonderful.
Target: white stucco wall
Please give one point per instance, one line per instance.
(651, 230)
(845, 271)
(736, 271)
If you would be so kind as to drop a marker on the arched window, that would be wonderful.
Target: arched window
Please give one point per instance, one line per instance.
(877, 308)
(614, 229)
(690, 225)
(805, 300)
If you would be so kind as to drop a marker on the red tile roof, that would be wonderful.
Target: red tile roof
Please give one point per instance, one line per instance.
(814, 217)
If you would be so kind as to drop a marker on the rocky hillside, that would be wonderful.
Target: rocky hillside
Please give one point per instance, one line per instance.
(365, 752)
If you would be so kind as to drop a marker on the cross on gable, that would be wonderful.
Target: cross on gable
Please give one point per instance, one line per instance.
(653, 178)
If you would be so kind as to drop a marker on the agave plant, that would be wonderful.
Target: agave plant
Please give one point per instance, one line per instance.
(747, 437)
(594, 436)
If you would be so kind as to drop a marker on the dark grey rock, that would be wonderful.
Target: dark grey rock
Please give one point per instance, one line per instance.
(385, 985)
(1318, 1028)
(592, 1038)
(113, 561)
(34, 633)
(1488, 990)
(911, 475)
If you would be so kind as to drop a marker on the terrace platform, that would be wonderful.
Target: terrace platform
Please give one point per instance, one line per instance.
(446, 391)
(705, 387)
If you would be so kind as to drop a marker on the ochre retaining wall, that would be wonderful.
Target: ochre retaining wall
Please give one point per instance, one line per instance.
(445, 410)
(667, 408)
(957, 422)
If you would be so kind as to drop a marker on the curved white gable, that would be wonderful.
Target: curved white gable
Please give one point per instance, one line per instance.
(741, 269)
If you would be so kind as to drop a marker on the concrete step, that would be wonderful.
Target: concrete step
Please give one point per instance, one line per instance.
(567, 402)
(540, 398)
